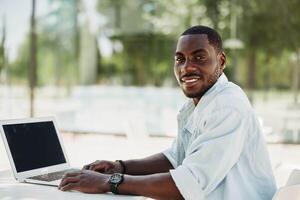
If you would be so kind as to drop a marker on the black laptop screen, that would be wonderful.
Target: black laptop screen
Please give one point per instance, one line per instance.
(34, 145)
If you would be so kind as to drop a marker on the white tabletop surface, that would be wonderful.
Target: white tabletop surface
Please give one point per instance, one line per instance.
(10, 189)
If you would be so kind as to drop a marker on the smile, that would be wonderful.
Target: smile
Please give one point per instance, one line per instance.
(189, 80)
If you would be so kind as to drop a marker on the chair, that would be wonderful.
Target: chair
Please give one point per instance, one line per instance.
(291, 191)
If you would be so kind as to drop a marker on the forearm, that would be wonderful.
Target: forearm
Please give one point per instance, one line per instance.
(156, 186)
(157, 163)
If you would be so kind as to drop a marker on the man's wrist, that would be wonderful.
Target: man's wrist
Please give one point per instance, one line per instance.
(107, 184)
(114, 181)
(122, 165)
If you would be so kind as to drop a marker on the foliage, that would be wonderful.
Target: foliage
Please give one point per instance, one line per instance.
(147, 31)
(2, 51)
(56, 46)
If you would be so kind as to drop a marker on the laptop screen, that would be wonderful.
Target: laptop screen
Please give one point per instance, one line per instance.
(34, 145)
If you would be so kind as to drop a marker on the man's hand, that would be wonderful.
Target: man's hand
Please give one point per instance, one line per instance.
(104, 166)
(85, 181)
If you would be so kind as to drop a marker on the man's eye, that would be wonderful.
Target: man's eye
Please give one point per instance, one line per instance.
(179, 59)
(199, 57)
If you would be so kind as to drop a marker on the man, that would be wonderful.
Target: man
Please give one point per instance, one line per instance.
(219, 152)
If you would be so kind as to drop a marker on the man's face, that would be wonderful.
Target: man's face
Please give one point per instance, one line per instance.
(197, 65)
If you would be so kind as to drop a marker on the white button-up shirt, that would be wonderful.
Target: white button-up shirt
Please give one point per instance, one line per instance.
(220, 152)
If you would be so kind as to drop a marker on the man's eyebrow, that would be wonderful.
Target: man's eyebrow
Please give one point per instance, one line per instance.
(178, 53)
(199, 51)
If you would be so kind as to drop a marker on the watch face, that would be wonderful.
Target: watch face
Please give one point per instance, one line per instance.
(115, 178)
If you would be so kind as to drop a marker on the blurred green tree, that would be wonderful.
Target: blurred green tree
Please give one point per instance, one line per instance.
(2, 48)
(143, 34)
(144, 51)
(264, 32)
(61, 39)
(290, 23)
(57, 44)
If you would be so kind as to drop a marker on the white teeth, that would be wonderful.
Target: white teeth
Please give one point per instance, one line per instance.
(190, 80)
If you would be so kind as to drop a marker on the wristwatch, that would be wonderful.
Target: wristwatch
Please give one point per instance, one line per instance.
(115, 180)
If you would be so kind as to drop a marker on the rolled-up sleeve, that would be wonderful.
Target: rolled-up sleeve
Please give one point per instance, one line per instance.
(211, 154)
(170, 153)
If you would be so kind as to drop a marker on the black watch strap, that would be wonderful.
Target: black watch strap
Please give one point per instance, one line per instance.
(114, 181)
(114, 188)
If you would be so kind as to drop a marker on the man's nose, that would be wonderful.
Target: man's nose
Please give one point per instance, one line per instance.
(188, 66)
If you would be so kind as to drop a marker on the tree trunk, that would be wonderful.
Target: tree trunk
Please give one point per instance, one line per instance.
(296, 77)
(33, 63)
(118, 15)
(251, 73)
(140, 71)
(2, 48)
(266, 77)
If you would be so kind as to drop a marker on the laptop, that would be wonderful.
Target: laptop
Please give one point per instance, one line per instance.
(35, 150)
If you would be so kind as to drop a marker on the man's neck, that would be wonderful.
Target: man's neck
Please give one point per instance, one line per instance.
(196, 101)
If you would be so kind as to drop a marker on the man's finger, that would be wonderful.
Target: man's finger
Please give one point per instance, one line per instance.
(92, 167)
(71, 174)
(67, 180)
(70, 186)
(88, 166)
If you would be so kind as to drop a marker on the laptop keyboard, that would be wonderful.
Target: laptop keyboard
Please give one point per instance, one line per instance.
(51, 176)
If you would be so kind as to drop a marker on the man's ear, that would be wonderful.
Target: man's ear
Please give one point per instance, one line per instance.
(222, 60)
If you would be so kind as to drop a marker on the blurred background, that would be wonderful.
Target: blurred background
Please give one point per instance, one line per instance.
(104, 69)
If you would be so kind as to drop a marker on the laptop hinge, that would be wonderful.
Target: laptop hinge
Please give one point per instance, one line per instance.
(21, 179)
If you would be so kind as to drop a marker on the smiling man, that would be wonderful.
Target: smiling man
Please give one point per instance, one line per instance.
(219, 152)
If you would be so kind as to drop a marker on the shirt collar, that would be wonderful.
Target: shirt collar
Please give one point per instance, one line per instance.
(189, 114)
(221, 82)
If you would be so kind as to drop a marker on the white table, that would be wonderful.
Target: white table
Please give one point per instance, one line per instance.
(10, 189)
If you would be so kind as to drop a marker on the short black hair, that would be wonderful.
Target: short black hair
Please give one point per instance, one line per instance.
(213, 36)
